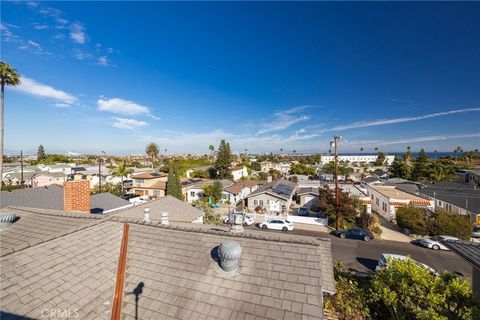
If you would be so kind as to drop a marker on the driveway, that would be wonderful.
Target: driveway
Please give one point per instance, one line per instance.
(391, 231)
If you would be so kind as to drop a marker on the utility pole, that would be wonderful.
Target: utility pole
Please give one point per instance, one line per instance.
(100, 175)
(21, 168)
(337, 199)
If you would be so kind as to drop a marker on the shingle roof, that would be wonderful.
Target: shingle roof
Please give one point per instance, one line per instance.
(148, 175)
(237, 187)
(455, 193)
(36, 226)
(280, 276)
(468, 250)
(312, 190)
(105, 202)
(271, 188)
(178, 210)
(51, 197)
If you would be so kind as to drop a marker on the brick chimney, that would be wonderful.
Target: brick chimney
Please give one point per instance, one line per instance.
(76, 196)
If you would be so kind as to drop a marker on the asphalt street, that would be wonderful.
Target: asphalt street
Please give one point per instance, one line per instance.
(363, 256)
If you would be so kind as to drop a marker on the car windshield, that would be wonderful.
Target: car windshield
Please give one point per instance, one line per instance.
(436, 238)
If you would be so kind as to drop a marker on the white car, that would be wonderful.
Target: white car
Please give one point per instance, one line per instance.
(386, 257)
(277, 224)
(434, 242)
(248, 221)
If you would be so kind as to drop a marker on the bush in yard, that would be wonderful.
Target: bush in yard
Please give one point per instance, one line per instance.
(405, 290)
(209, 215)
(412, 218)
(450, 224)
(370, 222)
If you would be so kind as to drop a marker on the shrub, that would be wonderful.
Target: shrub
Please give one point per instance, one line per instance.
(450, 224)
(209, 215)
(412, 218)
(370, 222)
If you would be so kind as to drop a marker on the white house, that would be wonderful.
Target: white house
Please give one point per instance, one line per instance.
(354, 158)
(385, 200)
(238, 191)
(195, 192)
(239, 172)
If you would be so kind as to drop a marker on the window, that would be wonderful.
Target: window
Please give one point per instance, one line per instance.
(260, 202)
(255, 202)
(377, 201)
(139, 181)
(440, 203)
(192, 193)
(156, 192)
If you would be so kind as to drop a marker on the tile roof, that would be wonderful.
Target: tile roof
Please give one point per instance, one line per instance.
(271, 188)
(280, 276)
(178, 210)
(468, 250)
(455, 193)
(51, 197)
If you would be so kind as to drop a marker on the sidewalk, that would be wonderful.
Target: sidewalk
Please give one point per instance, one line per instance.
(391, 231)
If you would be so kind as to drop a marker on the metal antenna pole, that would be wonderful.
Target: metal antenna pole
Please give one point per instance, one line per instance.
(21, 168)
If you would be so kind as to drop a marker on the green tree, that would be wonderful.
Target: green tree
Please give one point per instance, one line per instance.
(41, 153)
(412, 218)
(8, 77)
(214, 190)
(406, 290)
(262, 175)
(113, 188)
(209, 215)
(256, 166)
(347, 207)
(380, 159)
(450, 224)
(212, 149)
(121, 171)
(400, 168)
(422, 156)
(224, 161)
(152, 151)
(174, 186)
(303, 170)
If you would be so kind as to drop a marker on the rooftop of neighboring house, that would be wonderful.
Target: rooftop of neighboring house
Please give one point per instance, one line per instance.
(190, 181)
(394, 193)
(149, 175)
(468, 250)
(51, 197)
(237, 168)
(18, 175)
(280, 188)
(58, 166)
(307, 190)
(225, 183)
(462, 195)
(178, 210)
(279, 276)
(238, 187)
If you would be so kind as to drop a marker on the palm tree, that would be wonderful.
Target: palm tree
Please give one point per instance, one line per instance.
(166, 151)
(294, 151)
(152, 151)
(9, 77)
(361, 149)
(408, 148)
(122, 171)
(246, 150)
(376, 149)
(435, 154)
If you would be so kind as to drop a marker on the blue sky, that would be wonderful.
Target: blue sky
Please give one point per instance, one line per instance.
(114, 76)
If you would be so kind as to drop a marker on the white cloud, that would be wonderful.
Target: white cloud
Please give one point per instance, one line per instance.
(381, 122)
(77, 33)
(103, 60)
(284, 119)
(81, 55)
(121, 106)
(124, 123)
(61, 105)
(38, 26)
(31, 87)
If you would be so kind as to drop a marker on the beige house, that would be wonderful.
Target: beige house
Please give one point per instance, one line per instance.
(152, 184)
(273, 197)
(385, 200)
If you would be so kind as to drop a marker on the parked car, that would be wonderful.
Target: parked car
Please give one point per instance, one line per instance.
(277, 224)
(304, 212)
(476, 232)
(129, 196)
(386, 257)
(434, 242)
(248, 220)
(364, 235)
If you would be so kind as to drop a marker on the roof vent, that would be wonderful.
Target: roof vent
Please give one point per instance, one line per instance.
(6, 220)
(146, 214)
(229, 253)
(164, 219)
